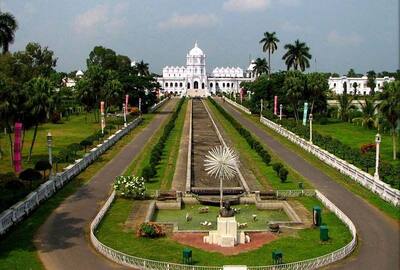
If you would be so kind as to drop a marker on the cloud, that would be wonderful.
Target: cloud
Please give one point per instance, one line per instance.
(246, 5)
(102, 17)
(188, 21)
(342, 39)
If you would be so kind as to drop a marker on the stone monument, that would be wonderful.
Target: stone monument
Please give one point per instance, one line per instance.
(227, 233)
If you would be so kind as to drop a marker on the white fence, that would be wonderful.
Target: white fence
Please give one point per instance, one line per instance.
(158, 105)
(237, 105)
(384, 190)
(140, 263)
(22, 209)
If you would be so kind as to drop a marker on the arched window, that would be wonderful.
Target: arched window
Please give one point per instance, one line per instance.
(180, 84)
(216, 85)
(223, 85)
(196, 85)
(166, 84)
(202, 85)
(211, 85)
(231, 84)
(176, 84)
(188, 85)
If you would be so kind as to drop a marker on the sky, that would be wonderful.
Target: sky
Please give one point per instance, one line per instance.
(341, 34)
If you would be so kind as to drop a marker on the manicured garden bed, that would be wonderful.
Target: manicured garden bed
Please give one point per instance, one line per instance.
(245, 215)
(302, 244)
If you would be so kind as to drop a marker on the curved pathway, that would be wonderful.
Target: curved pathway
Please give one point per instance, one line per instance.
(62, 241)
(378, 234)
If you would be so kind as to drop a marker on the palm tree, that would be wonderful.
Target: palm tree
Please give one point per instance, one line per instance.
(260, 66)
(8, 26)
(317, 88)
(368, 117)
(269, 44)
(39, 103)
(294, 87)
(390, 108)
(297, 55)
(143, 68)
(345, 106)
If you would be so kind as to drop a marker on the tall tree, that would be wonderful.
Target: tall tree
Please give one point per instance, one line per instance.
(390, 109)
(142, 68)
(103, 57)
(371, 81)
(39, 104)
(368, 110)
(345, 106)
(269, 43)
(8, 26)
(351, 73)
(317, 89)
(294, 86)
(297, 56)
(260, 66)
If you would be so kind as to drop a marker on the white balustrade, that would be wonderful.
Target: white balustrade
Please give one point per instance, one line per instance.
(20, 210)
(385, 191)
(145, 264)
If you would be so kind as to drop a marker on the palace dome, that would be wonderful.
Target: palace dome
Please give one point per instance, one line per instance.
(196, 51)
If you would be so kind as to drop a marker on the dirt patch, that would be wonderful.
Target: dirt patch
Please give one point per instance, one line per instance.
(196, 240)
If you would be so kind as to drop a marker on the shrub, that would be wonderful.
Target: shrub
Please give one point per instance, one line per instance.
(30, 175)
(85, 143)
(151, 230)
(56, 117)
(148, 172)
(130, 186)
(43, 165)
(277, 167)
(283, 174)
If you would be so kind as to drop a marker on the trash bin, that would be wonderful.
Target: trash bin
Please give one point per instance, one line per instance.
(317, 216)
(324, 233)
(187, 256)
(277, 257)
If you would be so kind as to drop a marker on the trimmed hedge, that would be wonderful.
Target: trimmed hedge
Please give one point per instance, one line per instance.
(388, 173)
(251, 141)
(150, 171)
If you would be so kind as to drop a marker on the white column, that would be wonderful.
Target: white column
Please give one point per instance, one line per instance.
(378, 142)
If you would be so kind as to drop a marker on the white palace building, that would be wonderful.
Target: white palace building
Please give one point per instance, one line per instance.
(354, 84)
(193, 79)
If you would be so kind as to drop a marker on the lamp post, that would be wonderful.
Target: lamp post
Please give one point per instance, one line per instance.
(280, 112)
(124, 108)
(261, 108)
(49, 145)
(310, 118)
(378, 142)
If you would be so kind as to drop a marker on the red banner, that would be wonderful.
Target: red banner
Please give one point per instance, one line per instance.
(126, 103)
(17, 147)
(276, 105)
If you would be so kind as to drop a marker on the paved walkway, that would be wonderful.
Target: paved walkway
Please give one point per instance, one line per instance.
(378, 234)
(63, 241)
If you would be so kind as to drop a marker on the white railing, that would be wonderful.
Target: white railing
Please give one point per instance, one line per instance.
(385, 191)
(157, 105)
(237, 105)
(144, 264)
(23, 208)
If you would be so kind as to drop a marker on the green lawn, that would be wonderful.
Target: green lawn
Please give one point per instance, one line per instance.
(166, 168)
(71, 130)
(356, 135)
(17, 250)
(301, 245)
(245, 215)
(265, 175)
(350, 184)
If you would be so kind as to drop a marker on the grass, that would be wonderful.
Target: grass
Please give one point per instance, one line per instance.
(386, 207)
(17, 250)
(301, 245)
(355, 136)
(166, 168)
(245, 215)
(265, 175)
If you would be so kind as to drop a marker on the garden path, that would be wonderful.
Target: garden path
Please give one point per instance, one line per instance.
(62, 241)
(378, 234)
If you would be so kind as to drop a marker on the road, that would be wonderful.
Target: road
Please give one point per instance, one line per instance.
(62, 241)
(378, 234)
